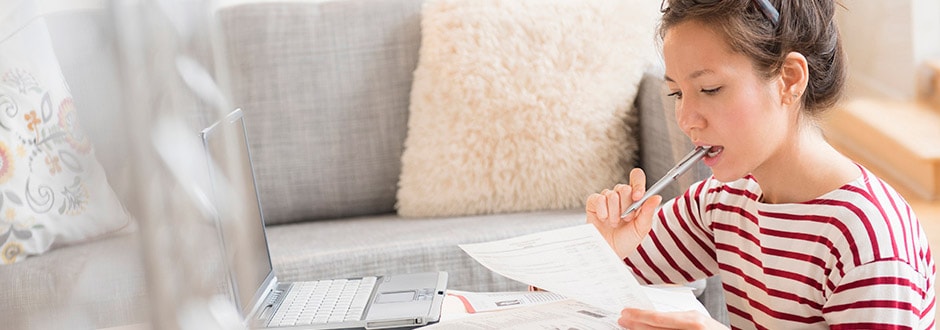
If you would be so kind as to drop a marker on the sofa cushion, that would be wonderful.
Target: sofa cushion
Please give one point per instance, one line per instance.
(94, 285)
(324, 87)
(53, 191)
(522, 105)
(391, 244)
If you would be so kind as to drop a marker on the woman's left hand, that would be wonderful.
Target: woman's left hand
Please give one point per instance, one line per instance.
(639, 319)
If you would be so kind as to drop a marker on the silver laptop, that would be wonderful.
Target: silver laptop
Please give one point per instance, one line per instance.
(370, 302)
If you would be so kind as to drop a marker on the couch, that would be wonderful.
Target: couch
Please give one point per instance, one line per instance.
(330, 212)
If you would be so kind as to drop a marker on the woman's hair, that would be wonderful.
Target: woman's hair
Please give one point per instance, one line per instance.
(806, 26)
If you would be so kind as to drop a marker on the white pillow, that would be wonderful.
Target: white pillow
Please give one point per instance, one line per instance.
(53, 191)
(522, 105)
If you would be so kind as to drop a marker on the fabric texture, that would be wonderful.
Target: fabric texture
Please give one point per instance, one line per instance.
(863, 260)
(389, 244)
(95, 285)
(325, 90)
(53, 191)
(522, 105)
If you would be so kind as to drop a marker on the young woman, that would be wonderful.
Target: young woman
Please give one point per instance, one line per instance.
(801, 236)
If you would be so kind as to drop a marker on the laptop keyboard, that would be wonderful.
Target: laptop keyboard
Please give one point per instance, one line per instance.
(326, 301)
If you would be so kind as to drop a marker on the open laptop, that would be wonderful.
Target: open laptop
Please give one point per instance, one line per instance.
(396, 301)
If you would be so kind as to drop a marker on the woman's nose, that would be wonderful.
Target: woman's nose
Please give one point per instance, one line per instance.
(688, 117)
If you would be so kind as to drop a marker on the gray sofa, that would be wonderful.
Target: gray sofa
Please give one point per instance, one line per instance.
(325, 88)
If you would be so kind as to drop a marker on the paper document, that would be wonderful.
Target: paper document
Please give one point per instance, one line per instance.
(564, 314)
(575, 262)
(475, 302)
(674, 299)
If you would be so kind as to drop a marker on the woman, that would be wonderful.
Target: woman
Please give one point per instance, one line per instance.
(801, 236)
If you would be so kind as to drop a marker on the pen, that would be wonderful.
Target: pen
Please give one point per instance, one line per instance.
(684, 165)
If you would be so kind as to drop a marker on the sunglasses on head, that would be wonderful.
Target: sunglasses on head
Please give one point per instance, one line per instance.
(765, 7)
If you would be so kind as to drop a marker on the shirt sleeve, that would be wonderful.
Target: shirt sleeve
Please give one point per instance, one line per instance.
(680, 247)
(887, 294)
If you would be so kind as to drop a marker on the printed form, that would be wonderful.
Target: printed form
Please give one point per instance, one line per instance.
(575, 262)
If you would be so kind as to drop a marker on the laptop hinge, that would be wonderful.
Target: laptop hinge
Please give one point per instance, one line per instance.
(269, 299)
(271, 302)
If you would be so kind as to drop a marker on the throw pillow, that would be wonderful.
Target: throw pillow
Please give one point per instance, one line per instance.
(53, 191)
(522, 105)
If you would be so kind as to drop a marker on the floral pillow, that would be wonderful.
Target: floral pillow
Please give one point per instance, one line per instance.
(53, 192)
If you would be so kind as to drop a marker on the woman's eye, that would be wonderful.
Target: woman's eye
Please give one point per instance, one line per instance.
(711, 91)
(676, 94)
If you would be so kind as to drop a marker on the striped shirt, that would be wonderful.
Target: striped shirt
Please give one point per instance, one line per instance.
(854, 258)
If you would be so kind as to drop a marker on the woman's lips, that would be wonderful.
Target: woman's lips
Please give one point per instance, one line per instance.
(713, 155)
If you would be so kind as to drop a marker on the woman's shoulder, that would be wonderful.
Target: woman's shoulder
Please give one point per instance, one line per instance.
(875, 220)
(870, 194)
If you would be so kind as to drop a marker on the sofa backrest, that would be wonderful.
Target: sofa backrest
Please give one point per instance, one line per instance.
(325, 89)
(325, 86)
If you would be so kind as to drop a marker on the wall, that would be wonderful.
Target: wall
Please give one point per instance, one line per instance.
(926, 38)
(887, 43)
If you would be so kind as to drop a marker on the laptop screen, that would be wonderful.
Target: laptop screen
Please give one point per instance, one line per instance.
(239, 212)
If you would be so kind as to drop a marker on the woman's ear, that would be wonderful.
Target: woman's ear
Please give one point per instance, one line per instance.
(795, 75)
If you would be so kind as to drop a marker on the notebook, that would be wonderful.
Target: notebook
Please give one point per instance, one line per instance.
(369, 302)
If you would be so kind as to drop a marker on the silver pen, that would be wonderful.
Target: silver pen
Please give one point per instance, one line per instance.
(684, 165)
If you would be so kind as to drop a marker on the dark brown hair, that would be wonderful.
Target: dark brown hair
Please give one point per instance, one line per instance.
(807, 27)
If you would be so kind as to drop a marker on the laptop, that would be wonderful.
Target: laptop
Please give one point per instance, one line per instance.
(369, 302)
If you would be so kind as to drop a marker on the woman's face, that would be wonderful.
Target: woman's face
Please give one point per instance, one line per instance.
(721, 101)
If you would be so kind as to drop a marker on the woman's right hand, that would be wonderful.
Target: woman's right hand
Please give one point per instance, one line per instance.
(604, 210)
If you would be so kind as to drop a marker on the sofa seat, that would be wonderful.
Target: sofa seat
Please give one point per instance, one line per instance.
(96, 284)
(387, 244)
(103, 283)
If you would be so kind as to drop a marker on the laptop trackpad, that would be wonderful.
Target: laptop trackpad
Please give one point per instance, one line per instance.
(395, 297)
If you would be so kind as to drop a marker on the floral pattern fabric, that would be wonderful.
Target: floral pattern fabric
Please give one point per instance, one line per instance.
(52, 190)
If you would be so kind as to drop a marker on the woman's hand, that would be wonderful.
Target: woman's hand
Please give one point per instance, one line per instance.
(604, 209)
(639, 319)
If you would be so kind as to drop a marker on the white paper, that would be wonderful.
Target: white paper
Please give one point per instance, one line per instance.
(674, 299)
(575, 262)
(565, 314)
(477, 302)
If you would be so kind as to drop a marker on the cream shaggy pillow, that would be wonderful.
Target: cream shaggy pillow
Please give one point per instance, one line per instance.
(522, 105)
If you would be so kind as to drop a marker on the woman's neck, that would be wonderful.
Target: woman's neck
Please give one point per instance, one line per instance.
(804, 169)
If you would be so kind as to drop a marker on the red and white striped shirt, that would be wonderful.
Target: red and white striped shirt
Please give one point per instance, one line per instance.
(854, 258)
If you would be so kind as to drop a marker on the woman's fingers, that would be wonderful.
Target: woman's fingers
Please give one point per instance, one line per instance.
(604, 210)
(644, 218)
(647, 319)
(638, 183)
(596, 206)
(625, 199)
(607, 206)
(613, 207)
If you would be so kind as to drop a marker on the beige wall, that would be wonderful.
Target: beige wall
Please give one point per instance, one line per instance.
(887, 42)
(51, 6)
(926, 38)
